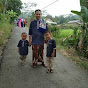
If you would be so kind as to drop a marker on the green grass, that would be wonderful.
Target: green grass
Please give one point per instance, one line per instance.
(80, 62)
(65, 33)
(5, 31)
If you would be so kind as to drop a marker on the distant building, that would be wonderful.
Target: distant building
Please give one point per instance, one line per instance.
(74, 22)
(49, 21)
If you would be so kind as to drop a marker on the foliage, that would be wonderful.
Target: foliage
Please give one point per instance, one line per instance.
(76, 12)
(11, 13)
(15, 5)
(84, 28)
(5, 31)
(26, 10)
(63, 19)
(1, 6)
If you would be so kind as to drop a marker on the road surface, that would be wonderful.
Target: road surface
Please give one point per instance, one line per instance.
(12, 75)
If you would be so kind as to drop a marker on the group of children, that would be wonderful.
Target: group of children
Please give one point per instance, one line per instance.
(50, 54)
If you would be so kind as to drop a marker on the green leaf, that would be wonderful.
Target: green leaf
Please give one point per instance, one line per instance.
(84, 14)
(1, 7)
(76, 12)
(84, 3)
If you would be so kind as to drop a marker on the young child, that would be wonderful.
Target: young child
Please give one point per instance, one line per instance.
(51, 51)
(23, 48)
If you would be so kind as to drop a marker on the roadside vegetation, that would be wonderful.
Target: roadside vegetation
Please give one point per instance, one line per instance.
(71, 39)
(8, 12)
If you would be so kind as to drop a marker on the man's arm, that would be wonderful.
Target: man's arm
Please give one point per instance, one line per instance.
(30, 40)
(30, 33)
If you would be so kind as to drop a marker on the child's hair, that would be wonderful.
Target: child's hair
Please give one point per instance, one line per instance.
(48, 31)
(23, 33)
(37, 10)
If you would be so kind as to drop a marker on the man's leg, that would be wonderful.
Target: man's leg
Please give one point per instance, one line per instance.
(41, 54)
(35, 54)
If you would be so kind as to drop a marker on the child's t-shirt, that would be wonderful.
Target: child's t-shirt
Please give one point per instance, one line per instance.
(23, 46)
(51, 44)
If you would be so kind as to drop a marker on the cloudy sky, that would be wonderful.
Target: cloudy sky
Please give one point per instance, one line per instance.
(61, 7)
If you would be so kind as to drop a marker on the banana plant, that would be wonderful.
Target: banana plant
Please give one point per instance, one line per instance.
(11, 13)
(84, 17)
(83, 14)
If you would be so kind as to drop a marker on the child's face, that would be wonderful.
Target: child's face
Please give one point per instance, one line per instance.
(48, 35)
(24, 36)
(38, 15)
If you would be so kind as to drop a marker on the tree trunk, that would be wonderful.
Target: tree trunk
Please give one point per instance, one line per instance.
(4, 8)
(82, 38)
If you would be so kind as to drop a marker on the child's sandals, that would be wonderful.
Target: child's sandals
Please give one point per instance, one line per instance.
(48, 71)
(23, 63)
(51, 70)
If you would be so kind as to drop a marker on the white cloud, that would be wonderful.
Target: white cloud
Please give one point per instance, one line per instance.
(61, 7)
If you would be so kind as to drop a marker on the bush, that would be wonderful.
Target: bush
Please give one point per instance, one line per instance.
(5, 30)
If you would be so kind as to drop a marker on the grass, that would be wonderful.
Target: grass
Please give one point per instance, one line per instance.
(63, 33)
(5, 31)
(80, 62)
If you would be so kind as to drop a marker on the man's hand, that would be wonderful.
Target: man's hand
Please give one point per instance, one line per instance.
(30, 43)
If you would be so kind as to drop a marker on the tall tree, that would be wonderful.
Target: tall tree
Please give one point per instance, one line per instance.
(4, 6)
(1, 6)
(27, 9)
(15, 5)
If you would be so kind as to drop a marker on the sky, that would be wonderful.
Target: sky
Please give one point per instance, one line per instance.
(61, 7)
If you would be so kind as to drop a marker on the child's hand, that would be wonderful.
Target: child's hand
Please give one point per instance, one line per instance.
(52, 55)
(18, 50)
(45, 41)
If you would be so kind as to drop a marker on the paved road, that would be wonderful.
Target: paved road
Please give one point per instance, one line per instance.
(13, 75)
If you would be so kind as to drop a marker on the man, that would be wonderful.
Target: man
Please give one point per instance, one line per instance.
(37, 35)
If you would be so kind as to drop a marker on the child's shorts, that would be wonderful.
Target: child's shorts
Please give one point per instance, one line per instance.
(23, 57)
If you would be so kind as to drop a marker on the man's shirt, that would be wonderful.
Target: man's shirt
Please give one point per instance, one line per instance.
(37, 36)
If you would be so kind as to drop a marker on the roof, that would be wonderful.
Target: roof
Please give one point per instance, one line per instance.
(48, 20)
(74, 21)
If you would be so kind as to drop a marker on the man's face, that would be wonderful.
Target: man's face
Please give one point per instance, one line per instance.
(38, 15)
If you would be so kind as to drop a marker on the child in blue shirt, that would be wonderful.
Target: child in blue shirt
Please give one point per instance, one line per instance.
(51, 51)
(23, 48)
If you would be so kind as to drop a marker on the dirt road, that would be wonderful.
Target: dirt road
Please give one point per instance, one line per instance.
(12, 75)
